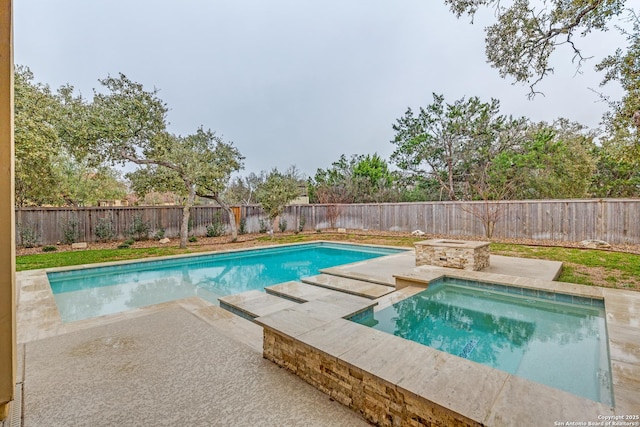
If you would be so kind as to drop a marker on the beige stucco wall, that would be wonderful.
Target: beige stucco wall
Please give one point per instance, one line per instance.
(7, 244)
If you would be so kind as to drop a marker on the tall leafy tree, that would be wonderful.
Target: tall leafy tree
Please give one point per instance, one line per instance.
(220, 161)
(242, 190)
(553, 161)
(37, 113)
(360, 178)
(334, 184)
(195, 165)
(54, 164)
(373, 170)
(277, 190)
(133, 128)
(623, 121)
(525, 34)
(130, 121)
(616, 173)
(453, 143)
(82, 184)
(80, 126)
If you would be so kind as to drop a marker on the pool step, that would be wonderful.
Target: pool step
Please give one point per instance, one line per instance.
(349, 286)
(298, 292)
(252, 304)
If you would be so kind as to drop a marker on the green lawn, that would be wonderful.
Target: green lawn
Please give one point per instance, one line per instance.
(584, 266)
(63, 259)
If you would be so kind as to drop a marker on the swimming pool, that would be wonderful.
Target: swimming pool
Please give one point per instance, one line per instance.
(553, 339)
(91, 292)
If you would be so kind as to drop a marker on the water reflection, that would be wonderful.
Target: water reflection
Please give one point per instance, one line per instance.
(86, 293)
(561, 345)
(163, 289)
(449, 327)
(88, 303)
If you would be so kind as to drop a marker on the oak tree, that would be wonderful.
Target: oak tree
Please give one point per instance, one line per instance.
(133, 128)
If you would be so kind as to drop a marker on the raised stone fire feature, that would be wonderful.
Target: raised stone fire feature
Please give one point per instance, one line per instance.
(462, 254)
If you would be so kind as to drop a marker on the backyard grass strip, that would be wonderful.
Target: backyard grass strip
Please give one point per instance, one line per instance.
(64, 259)
(583, 266)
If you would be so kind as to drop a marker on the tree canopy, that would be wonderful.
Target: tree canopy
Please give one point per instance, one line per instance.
(623, 121)
(358, 179)
(473, 152)
(551, 161)
(453, 144)
(194, 165)
(242, 190)
(132, 127)
(525, 34)
(277, 190)
(36, 139)
(50, 169)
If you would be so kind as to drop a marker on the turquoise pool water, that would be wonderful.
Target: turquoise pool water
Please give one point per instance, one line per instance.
(91, 292)
(535, 336)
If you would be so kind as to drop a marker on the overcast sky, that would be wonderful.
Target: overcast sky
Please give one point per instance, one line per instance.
(291, 82)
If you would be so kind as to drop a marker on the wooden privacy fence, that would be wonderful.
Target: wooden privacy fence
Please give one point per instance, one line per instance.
(612, 220)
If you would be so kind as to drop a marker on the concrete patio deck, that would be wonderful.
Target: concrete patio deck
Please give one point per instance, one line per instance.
(189, 362)
(170, 366)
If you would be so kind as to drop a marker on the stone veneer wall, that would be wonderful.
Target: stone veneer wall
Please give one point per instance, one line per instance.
(465, 255)
(380, 402)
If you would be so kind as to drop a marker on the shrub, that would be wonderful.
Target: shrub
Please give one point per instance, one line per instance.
(243, 226)
(282, 225)
(193, 239)
(216, 228)
(140, 228)
(49, 248)
(70, 229)
(302, 222)
(28, 236)
(262, 226)
(104, 230)
(124, 245)
(129, 242)
(159, 234)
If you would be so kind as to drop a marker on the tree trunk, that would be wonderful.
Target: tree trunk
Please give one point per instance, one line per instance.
(186, 213)
(452, 192)
(232, 218)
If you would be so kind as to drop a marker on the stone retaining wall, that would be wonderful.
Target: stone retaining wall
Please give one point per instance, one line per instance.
(380, 402)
